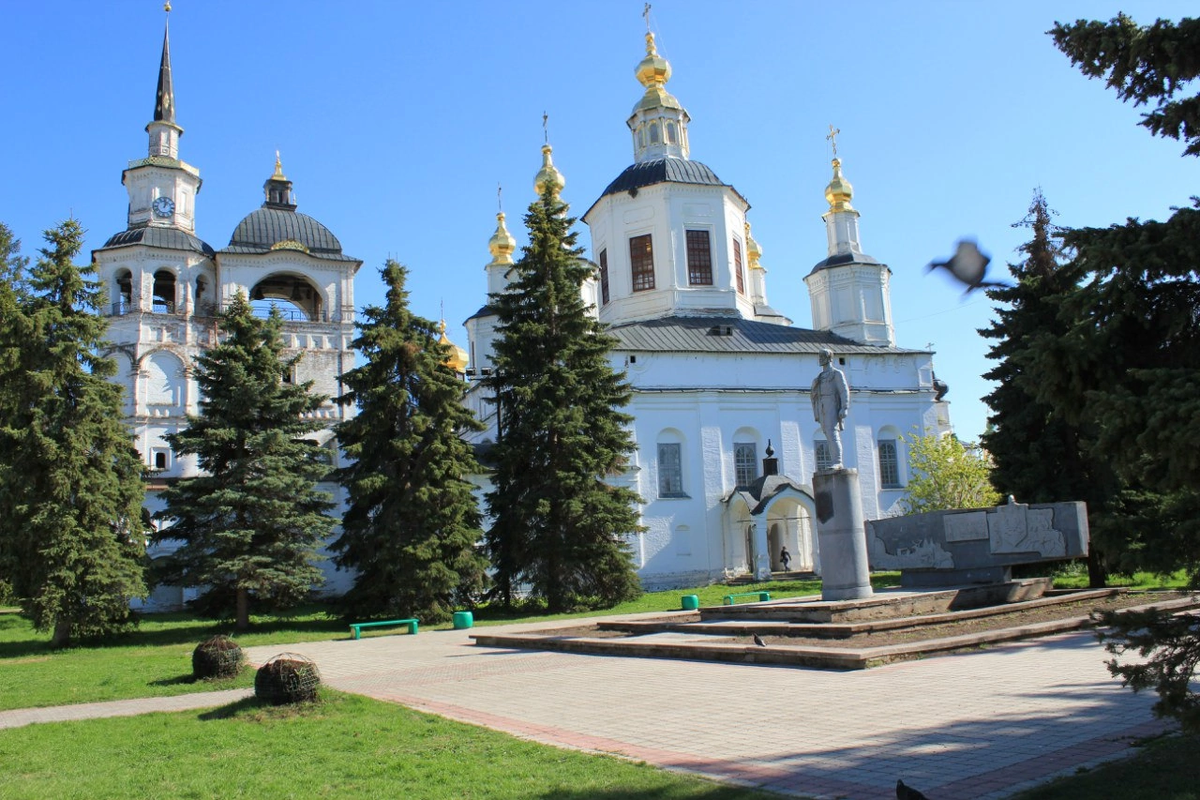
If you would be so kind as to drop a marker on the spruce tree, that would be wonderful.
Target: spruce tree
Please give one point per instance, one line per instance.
(250, 524)
(71, 491)
(559, 525)
(1039, 454)
(1154, 63)
(413, 522)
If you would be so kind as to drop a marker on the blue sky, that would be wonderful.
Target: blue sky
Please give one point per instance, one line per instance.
(397, 120)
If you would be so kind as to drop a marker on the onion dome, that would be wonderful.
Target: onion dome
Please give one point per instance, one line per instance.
(653, 72)
(502, 245)
(457, 359)
(839, 191)
(548, 174)
(753, 251)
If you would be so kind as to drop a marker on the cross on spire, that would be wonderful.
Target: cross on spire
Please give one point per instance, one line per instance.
(545, 126)
(832, 137)
(646, 14)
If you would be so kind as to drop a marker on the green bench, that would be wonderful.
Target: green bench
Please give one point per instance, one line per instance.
(763, 597)
(358, 626)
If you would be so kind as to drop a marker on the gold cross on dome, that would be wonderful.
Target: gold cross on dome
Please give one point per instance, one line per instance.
(545, 126)
(832, 137)
(646, 14)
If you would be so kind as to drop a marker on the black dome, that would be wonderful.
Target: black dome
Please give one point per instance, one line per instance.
(155, 236)
(265, 228)
(662, 170)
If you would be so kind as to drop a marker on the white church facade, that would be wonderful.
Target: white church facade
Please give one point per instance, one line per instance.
(166, 287)
(726, 442)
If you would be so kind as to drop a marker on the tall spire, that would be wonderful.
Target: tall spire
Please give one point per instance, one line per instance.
(164, 103)
(164, 132)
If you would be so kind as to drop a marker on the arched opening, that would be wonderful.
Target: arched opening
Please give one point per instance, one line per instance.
(789, 524)
(653, 133)
(291, 295)
(164, 292)
(123, 302)
(204, 304)
(671, 135)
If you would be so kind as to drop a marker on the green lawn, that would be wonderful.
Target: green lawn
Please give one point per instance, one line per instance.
(343, 746)
(1164, 769)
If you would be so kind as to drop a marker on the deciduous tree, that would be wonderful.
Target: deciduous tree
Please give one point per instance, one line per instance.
(559, 522)
(412, 525)
(250, 524)
(947, 474)
(72, 542)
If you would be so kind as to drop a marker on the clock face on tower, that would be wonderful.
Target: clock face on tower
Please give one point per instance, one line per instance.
(163, 206)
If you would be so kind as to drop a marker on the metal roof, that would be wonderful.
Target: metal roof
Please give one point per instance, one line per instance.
(155, 236)
(841, 259)
(725, 334)
(264, 228)
(662, 170)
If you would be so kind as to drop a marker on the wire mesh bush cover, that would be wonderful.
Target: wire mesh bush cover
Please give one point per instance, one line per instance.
(287, 678)
(218, 657)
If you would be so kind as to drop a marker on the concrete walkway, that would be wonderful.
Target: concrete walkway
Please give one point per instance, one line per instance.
(977, 725)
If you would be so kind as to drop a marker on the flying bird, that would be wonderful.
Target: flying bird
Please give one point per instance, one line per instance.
(907, 792)
(758, 641)
(968, 265)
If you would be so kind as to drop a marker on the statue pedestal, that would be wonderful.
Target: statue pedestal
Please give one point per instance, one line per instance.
(841, 535)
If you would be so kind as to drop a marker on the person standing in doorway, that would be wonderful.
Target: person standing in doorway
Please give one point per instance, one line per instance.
(785, 557)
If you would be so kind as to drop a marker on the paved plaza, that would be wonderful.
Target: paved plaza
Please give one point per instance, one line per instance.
(977, 725)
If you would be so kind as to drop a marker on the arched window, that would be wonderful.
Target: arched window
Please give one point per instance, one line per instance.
(821, 454)
(164, 292)
(745, 457)
(653, 133)
(888, 448)
(124, 299)
(671, 135)
(669, 464)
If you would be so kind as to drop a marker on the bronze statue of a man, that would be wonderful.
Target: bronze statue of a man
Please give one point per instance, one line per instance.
(831, 403)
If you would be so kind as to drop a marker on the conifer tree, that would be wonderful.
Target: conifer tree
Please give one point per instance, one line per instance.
(251, 523)
(559, 526)
(72, 542)
(1154, 63)
(1039, 455)
(413, 522)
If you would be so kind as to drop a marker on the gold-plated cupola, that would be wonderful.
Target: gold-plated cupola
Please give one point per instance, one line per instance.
(839, 191)
(502, 245)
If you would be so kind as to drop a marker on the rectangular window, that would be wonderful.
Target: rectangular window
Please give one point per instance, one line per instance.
(745, 462)
(699, 259)
(641, 261)
(889, 464)
(821, 451)
(604, 276)
(737, 267)
(670, 470)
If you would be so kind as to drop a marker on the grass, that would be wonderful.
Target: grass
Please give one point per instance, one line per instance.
(1073, 575)
(1165, 769)
(342, 746)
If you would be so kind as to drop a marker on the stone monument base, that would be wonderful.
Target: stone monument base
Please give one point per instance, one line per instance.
(841, 535)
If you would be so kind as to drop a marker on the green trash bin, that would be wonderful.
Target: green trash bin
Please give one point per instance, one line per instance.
(463, 619)
(690, 602)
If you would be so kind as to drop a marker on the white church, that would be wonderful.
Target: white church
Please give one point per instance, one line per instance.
(166, 286)
(726, 440)
(725, 435)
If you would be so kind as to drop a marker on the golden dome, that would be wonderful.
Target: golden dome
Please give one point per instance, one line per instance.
(839, 191)
(548, 174)
(502, 244)
(753, 251)
(653, 71)
(457, 360)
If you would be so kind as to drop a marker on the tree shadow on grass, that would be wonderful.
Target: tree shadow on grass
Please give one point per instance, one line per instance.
(232, 709)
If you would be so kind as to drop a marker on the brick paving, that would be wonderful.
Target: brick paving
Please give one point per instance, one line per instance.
(977, 725)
